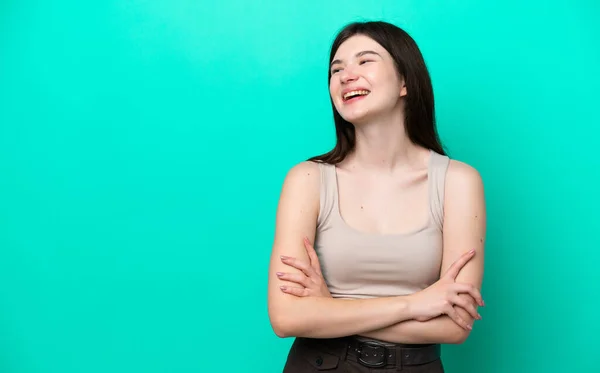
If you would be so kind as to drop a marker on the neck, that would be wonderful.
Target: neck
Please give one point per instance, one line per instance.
(382, 144)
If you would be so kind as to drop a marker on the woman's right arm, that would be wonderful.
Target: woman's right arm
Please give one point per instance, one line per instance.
(316, 317)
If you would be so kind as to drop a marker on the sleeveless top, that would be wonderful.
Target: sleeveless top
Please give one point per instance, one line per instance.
(366, 265)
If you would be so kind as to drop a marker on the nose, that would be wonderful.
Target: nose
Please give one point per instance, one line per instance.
(348, 75)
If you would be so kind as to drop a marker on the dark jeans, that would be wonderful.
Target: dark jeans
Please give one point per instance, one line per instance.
(335, 355)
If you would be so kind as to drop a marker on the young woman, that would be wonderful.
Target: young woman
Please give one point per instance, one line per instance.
(398, 228)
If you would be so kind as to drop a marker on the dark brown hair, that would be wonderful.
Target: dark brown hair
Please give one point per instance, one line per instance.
(419, 109)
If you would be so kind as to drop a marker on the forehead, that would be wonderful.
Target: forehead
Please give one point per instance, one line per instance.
(356, 44)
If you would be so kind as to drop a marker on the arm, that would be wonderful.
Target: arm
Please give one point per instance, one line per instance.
(315, 316)
(464, 228)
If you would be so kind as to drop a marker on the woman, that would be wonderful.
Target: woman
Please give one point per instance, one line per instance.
(398, 227)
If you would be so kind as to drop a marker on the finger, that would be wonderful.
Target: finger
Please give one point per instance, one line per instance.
(459, 264)
(469, 289)
(457, 319)
(312, 254)
(299, 292)
(293, 277)
(467, 306)
(298, 264)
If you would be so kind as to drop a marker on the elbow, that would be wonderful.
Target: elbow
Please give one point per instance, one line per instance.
(459, 336)
(288, 319)
(283, 327)
(281, 318)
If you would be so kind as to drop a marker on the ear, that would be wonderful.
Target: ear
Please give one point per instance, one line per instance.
(403, 91)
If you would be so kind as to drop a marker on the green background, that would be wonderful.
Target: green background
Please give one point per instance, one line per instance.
(143, 145)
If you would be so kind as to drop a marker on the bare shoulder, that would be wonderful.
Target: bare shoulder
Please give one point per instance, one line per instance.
(462, 179)
(302, 181)
(299, 197)
(464, 226)
(303, 172)
(464, 194)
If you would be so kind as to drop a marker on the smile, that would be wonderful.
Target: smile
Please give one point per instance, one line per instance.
(355, 95)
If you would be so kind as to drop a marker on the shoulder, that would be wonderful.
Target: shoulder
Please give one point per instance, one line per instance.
(301, 183)
(461, 177)
(464, 194)
(464, 199)
(464, 208)
(305, 174)
(298, 206)
(306, 168)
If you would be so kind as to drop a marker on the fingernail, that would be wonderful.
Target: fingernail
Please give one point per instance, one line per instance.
(483, 302)
(279, 273)
(479, 316)
(282, 287)
(284, 257)
(469, 327)
(472, 251)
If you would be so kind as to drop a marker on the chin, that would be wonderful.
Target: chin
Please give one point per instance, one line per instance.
(356, 116)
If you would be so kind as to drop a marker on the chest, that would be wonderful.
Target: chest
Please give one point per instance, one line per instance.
(384, 205)
(355, 264)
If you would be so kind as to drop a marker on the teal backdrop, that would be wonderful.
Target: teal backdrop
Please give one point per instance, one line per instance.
(143, 145)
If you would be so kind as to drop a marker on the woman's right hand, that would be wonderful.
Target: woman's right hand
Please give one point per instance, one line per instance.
(441, 297)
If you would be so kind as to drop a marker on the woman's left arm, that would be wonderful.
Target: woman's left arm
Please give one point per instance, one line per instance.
(464, 228)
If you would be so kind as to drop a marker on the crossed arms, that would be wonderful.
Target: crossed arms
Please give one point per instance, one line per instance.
(442, 313)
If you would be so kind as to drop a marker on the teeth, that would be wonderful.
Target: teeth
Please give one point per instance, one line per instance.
(361, 92)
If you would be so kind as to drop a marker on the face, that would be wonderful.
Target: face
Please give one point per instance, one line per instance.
(364, 82)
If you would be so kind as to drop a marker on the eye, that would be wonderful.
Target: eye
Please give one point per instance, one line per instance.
(335, 71)
(365, 61)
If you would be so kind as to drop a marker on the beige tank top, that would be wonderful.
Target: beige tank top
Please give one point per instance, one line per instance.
(366, 265)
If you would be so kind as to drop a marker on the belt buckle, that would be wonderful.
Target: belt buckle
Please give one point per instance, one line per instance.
(372, 355)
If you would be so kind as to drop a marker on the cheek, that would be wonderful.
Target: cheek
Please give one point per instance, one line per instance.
(333, 86)
(394, 83)
(334, 90)
(382, 79)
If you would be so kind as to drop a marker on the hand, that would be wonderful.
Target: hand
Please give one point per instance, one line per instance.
(441, 297)
(311, 278)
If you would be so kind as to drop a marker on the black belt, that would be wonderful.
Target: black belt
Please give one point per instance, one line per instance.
(374, 355)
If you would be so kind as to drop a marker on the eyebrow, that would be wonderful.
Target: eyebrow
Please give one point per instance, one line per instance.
(359, 54)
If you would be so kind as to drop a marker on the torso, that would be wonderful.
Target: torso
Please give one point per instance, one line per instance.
(381, 236)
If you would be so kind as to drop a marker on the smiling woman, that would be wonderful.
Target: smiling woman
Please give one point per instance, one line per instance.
(398, 228)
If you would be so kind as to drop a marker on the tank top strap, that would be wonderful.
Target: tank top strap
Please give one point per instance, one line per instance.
(327, 195)
(438, 166)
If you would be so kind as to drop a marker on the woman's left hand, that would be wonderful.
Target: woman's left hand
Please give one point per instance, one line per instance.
(311, 278)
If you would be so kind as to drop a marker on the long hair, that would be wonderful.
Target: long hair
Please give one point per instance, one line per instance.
(419, 114)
